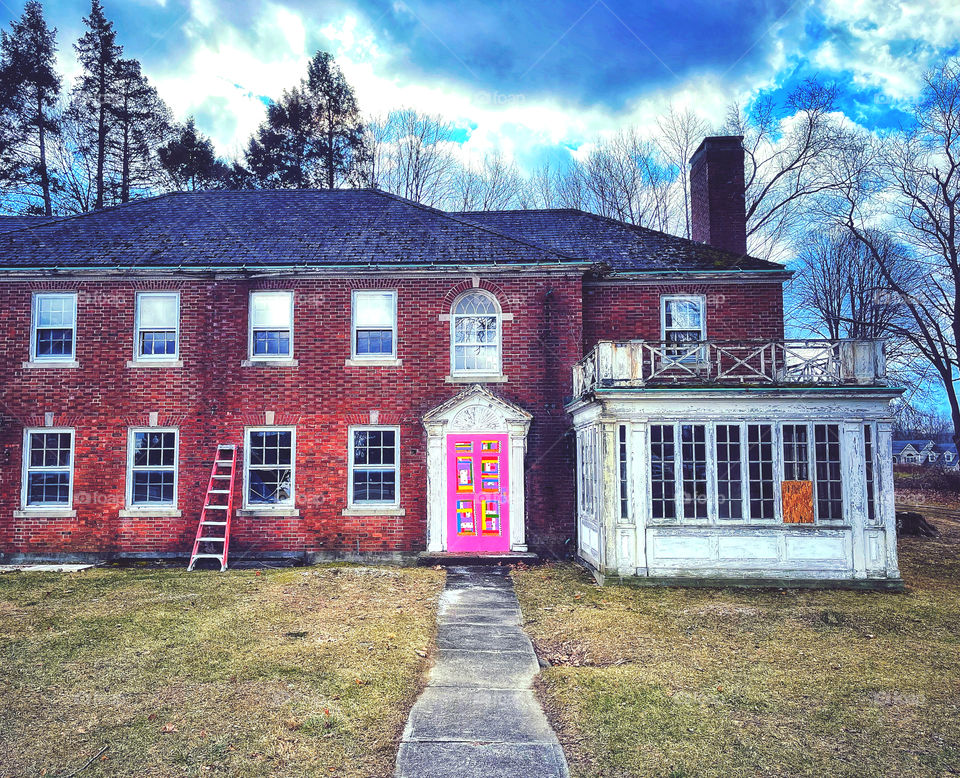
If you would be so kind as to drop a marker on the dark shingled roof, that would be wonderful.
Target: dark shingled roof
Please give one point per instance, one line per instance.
(625, 247)
(268, 228)
(10, 223)
(348, 228)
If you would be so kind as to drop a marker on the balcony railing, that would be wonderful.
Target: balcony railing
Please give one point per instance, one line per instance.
(640, 363)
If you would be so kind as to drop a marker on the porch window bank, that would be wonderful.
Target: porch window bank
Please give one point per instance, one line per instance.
(705, 477)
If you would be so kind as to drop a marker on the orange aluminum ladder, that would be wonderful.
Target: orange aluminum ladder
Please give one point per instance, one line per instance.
(224, 473)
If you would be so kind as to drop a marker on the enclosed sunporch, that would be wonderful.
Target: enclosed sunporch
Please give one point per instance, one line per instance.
(691, 472)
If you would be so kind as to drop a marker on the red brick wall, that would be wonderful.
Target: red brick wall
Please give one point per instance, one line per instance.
(211, 398)
(735, 311)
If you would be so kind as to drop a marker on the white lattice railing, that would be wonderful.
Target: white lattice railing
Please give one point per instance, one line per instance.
(731, 362)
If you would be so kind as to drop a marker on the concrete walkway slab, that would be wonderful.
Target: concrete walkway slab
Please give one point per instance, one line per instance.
(481, 760)
(502, 670)
(478, 716)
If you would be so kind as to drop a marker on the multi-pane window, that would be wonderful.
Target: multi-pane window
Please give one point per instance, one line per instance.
(796, 453)
(829, 482)
(588, 470)
(760, 471)
(374, 324)
(271, 325)
(729, 472)
(476, 334)
(622, 463)
(269, 466)
(54, 326)
(683, 323)
(158, 325)
(662, 471)
(693, 465)
(870, 472)
(152, 472)
(48, 468)
(373, 466)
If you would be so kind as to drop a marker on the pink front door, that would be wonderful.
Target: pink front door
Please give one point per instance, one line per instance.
(477, 493)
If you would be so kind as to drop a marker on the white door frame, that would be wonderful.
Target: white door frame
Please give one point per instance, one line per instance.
(475, 410)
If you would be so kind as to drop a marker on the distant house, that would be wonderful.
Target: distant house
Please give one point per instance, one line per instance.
(925, 452)
(946, 455)
(911, 452)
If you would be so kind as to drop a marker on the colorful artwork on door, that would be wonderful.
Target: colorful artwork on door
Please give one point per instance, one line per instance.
(478, 499)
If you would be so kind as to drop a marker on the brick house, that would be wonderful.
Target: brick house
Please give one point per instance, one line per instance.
(396, 379)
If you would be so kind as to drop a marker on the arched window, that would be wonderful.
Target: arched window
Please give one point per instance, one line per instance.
(475, 334)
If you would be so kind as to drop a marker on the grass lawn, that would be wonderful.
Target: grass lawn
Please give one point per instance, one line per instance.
(295, 672)
(683, 682)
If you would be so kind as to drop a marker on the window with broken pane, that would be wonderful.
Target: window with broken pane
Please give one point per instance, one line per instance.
(270, 467)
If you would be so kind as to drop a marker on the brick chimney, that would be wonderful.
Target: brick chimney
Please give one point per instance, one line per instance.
(717, 202)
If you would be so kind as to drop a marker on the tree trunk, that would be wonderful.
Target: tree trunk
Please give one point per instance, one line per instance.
(44, 174)
(101, 136)
(125, 152)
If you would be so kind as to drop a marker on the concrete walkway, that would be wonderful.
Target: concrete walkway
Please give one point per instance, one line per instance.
(478, 716)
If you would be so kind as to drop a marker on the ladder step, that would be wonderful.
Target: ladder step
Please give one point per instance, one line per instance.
(226, 445)
(224, 461)
(221, 475)
(219, 491)
(215, 507)
(215, 523)
(208, 556)
(209, 540)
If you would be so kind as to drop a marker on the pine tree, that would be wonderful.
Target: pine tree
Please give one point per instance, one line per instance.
(312, 136)
(337, 118)
(95, 92)
(140, 124)
(29, 90)
(285, 152)
(191, 162)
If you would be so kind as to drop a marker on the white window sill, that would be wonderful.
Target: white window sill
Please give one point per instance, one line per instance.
(278, 511)
(154, 363)
(45, 513)
(138, 511)
(269, 363)
(65, 363)
(371, 362)
(373, 510)
(479, 378)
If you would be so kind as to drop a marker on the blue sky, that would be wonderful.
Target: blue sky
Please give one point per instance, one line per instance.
(535, 80)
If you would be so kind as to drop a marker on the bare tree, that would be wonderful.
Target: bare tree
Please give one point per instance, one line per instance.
(74, 158)
(789, 152)
(910, 181)
(409, 154)
(679, 135)
(492, 186)
(626, 178)
(840, 290)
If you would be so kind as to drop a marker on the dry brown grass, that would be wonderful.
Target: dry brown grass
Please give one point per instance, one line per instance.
(298, 672)
(684, 682)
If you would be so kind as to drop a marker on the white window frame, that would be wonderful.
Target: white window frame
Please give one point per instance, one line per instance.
(269, 506)
(35, 309)
(146, 506)
(392, 293)
(268, 357)
(498, 314)
(374, 504)
(138, 354)
(701, 301)
(26, 469)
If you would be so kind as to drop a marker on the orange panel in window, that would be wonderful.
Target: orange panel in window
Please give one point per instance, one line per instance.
(797, 502)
